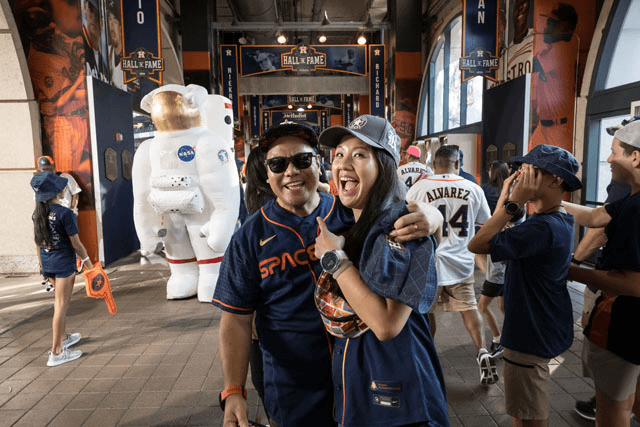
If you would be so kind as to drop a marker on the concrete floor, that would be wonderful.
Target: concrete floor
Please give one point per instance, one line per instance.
(156, 361)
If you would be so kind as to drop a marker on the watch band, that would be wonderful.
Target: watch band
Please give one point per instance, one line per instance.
(575, 261)
(345, 264)
(229, 390)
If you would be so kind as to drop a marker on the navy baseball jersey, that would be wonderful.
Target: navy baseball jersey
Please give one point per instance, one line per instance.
(270, 268)
(400, 381)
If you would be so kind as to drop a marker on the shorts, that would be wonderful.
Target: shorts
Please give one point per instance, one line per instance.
(58, 275)
(526, 384)
(460, 297)
(613, 376)
(492, 290)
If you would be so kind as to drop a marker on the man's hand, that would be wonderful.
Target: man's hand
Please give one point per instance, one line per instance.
(235, 411)
(422, 220)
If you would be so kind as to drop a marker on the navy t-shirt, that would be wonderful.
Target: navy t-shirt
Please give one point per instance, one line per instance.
(492, 195)
(60, 257)
(270, 268)
(622, 252)
(538, 314)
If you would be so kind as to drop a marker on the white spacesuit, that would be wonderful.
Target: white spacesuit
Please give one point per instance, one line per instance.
(186, 188)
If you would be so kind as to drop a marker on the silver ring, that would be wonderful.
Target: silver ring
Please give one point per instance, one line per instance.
(416, 226)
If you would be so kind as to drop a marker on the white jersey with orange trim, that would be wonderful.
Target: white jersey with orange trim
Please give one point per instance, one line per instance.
(409, 173)
(463, 205)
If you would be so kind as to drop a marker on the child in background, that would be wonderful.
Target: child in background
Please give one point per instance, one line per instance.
(56, 236)
(538, 323)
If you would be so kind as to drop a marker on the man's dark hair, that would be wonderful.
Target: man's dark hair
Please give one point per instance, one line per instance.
(446, 154)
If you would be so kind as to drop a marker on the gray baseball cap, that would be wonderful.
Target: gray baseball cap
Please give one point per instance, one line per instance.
(372, 130)
(629, 134)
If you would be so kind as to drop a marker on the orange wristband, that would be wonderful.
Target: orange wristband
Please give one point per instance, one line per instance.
(232, 389)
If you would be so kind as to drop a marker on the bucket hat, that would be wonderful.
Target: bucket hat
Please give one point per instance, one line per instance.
(47, 185)
(555, 160)
(373, 130)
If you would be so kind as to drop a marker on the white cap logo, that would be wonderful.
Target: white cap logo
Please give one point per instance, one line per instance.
(358, 123)
(393, 139)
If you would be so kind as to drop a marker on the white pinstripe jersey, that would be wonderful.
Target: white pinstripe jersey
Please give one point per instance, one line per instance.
(463, 205)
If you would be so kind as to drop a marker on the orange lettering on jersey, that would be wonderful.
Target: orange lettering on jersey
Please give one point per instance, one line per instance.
(267, 270)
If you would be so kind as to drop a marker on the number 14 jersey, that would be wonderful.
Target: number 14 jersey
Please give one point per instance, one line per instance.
(463, 205)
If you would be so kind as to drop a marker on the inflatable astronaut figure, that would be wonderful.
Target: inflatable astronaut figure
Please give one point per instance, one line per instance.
(186, 187)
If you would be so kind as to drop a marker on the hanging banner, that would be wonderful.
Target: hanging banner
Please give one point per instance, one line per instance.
(261, 59)
(254, 109)
(376, 79)
(305, 117)
(142, 51)
(347, 111)
(324, 120)
(273, 101)
(479, 39)
(229, 61)
(266, 121)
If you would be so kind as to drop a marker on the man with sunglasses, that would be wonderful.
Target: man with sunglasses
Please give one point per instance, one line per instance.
(270, 268)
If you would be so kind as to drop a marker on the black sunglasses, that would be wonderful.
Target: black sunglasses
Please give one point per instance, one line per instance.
(280, 164)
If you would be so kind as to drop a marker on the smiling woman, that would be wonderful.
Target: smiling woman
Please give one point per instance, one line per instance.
(385, 364)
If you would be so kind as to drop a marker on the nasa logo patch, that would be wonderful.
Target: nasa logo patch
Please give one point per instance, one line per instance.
(97, 283)
(223, 156)
(186, 153)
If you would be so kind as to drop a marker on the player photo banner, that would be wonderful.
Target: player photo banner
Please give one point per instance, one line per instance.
(254, 109)
(266, 121)
(229, 61)
(376, 80)
(142, 50)
(262, 59)
(479, 39)
(347, 111)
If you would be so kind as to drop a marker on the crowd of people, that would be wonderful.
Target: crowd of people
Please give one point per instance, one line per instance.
(331, 296)
(344, 288)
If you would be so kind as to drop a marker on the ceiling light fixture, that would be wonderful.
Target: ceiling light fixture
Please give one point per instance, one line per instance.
(290, 107)
(282, 39)
(362, 40)
(325, 20)
(322, 38)
(309, 106)
(300, 109)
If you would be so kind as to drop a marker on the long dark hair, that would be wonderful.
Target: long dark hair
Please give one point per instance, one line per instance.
(258, 191)
(499, 171)
(40, 219)
(386, 189)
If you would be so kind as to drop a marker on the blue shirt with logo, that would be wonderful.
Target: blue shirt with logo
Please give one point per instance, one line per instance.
(60, 257)
(270, 268)
(538, 316)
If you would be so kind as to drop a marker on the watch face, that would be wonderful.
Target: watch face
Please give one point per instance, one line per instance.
(512, 208)
(329, 261)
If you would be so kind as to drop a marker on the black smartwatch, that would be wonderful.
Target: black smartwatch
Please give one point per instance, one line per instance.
(331, 260)
(512, 208)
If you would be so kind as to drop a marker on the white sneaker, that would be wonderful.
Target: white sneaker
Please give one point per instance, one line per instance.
(488, 370)
(64, 357)
(71, 340)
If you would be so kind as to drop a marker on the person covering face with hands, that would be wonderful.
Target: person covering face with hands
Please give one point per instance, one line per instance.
(538, 321)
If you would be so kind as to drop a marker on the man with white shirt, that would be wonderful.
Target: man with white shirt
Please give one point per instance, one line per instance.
(463, 206)
(71, 191)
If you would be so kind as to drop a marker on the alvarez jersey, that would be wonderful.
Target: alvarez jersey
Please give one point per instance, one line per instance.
(409, 173)
(463, 205)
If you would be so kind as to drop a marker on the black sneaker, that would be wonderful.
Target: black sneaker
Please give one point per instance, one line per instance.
(496, 349)
(587, 408)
